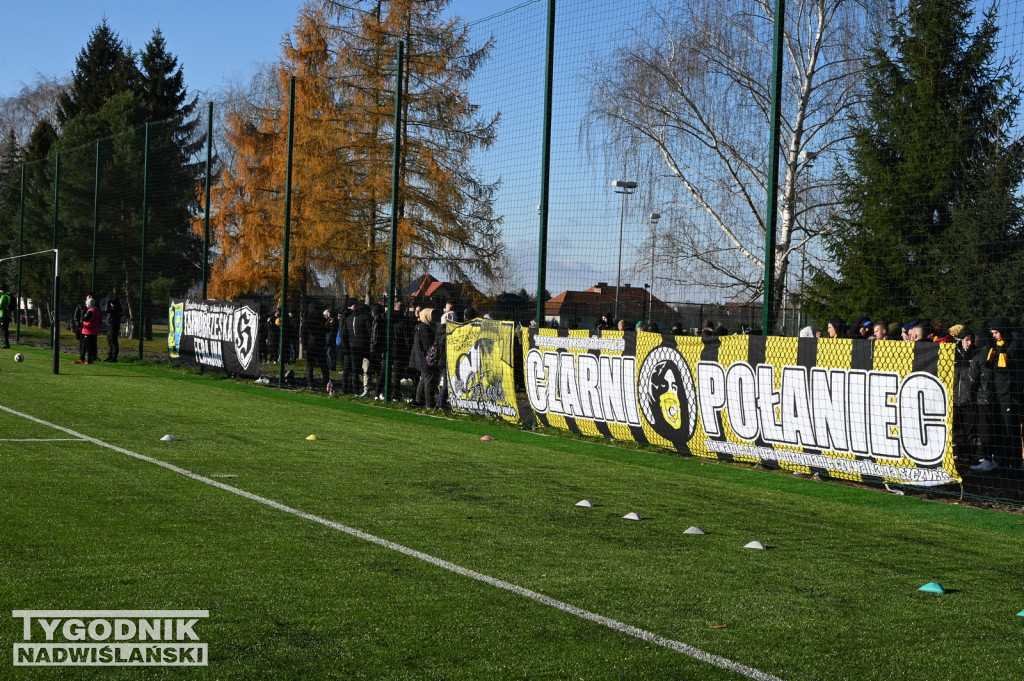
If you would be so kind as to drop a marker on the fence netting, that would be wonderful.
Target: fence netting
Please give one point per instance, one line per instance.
(897, 213)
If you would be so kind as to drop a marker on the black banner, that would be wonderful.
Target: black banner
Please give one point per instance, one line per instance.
(214, 333)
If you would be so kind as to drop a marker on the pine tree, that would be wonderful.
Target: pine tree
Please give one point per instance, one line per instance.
(931, 220)
(104, 68)
(174, 169)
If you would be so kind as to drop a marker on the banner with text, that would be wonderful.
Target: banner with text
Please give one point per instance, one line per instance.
(871, 411)
(214, 333)
(481, 373)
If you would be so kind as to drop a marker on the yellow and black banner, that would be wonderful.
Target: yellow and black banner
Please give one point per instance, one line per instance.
(870, 411)
(481, 374)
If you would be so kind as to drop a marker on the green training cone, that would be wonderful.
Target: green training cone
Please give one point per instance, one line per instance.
(933, 587)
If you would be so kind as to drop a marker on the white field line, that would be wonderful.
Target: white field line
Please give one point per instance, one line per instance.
(616, 625)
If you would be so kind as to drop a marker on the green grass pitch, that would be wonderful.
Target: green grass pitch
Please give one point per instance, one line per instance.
(87, 527)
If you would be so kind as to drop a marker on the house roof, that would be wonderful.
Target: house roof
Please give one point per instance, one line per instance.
(604, 296)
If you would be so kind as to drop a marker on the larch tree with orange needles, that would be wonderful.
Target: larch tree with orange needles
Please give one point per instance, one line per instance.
(343, 58)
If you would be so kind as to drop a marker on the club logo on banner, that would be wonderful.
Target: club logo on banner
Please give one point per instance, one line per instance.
(857, 410)
(215, 333)
(481, 375)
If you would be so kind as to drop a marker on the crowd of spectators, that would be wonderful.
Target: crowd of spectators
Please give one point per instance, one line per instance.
(353, 343)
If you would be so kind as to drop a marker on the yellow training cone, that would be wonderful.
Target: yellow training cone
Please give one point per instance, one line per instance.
(312, 437)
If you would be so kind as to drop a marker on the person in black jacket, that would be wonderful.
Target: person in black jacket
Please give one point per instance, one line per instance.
(348, 371)
(362, 328)
(419, 359)
(965, 424)
(314, 339)
(378, 341)
(331, 339)
(1003, 443)
(113, 328)
(402, 329)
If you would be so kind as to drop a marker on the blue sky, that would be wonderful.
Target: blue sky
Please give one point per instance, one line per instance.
(212, 40)
(225, 40)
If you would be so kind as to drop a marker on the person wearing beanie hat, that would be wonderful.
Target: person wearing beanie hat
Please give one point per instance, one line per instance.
(955, 330)
(808, 332)
(1003, 444)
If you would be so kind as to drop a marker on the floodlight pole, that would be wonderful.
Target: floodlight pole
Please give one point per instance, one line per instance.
(624, 187)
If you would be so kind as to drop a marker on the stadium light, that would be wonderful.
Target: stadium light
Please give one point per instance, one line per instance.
(624, 187)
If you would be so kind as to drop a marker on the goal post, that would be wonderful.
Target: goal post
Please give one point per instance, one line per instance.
(55, 322)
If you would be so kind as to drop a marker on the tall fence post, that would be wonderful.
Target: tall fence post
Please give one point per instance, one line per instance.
(21, 251)
(95, 215)
(772, 210)
(393, 250)
(141, 325)
(545, 180)
(206, 207)
(56, 202)
(287, 229)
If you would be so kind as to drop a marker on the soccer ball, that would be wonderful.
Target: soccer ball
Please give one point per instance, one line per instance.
(19, 357)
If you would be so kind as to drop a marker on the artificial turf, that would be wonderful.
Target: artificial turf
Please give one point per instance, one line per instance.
(833, 597)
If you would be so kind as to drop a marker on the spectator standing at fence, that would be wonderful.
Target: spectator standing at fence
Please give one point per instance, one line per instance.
(607, 323)
(880, 331)
(91, 323)
(5, 316)
(378, 341)
(270, 324)
(422, 342)
(113, 328)
(864, 329)
(905, 330)
(916, 333)
(362, 327)
(442, 360)
(330, 329)
(348, 370)
(75, 323)
(398, 362)
(836, 328)
(1003, 446)
(314, 339)
(965, 425)
(291, 336)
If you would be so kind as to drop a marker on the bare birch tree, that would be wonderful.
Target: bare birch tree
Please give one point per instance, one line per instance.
(689, 100)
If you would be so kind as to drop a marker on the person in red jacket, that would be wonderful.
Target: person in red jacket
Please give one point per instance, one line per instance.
(90, 332)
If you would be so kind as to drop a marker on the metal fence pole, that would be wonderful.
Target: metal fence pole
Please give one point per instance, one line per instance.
(141, 325)
(206, 207)
(287, 228)
(56, 202)
(21, 251)
(95, 215)
(542, 245)
(395, 178)
(772, 210)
